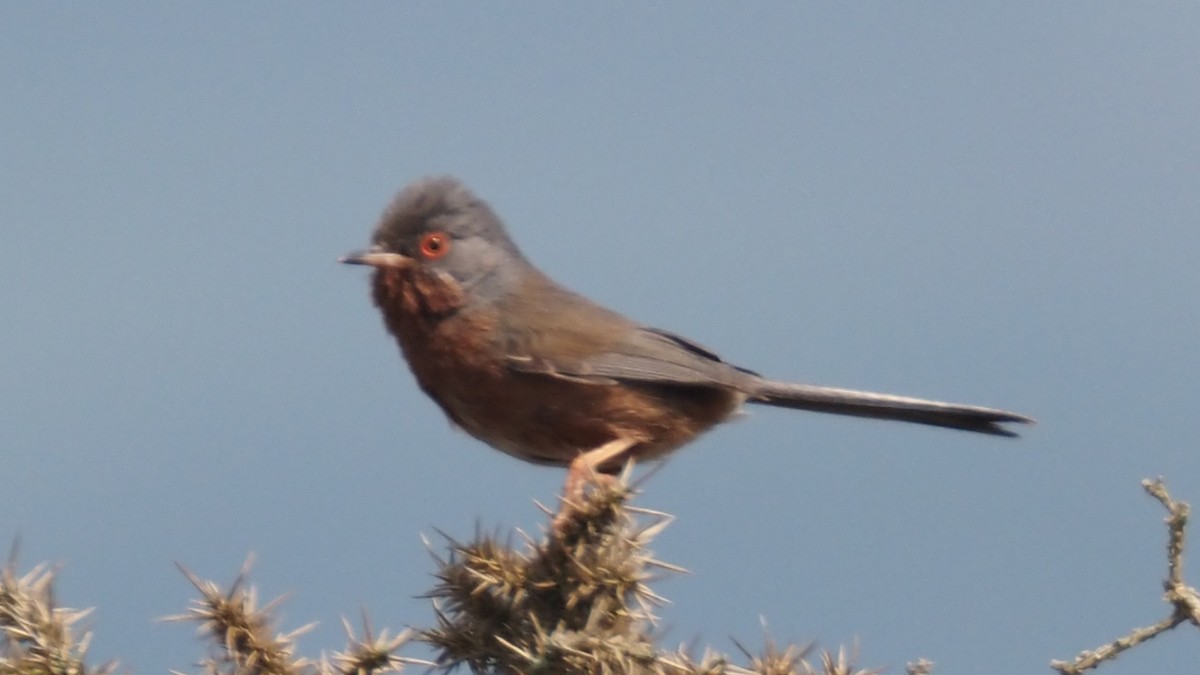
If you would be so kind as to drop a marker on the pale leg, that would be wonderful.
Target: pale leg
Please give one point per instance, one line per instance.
(584, 468)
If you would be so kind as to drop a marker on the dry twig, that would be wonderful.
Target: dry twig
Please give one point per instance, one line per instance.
(1185, 604)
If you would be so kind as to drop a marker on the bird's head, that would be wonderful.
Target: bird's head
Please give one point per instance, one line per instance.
(437, 238)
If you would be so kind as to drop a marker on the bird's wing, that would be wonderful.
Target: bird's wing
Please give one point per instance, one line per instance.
(640, 354)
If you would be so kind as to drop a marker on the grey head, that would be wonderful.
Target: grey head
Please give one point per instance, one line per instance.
(438, 224)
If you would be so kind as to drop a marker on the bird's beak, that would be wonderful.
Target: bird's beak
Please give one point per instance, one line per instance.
(376, 258)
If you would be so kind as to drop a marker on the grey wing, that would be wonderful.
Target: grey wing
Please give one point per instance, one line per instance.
(642, 355)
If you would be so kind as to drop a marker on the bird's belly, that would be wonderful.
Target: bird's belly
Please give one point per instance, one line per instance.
(547, 420)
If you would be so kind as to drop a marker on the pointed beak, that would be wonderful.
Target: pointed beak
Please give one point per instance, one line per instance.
(376, 258)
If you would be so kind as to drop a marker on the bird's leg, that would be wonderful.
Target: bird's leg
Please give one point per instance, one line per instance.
(585, 467)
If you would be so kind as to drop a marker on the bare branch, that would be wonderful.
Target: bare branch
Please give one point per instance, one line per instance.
(1183, 598)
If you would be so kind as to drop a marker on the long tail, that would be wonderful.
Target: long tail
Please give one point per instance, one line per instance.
(885, 406)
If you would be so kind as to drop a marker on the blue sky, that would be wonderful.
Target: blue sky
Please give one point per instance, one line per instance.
(995, 204)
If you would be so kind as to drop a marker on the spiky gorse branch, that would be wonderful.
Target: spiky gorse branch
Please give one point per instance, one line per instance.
(371, 654)
(36, 636)
(245, 641)
(242, 631)
(578, 601)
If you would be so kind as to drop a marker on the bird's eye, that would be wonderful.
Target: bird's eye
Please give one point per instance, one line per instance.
(435, 245)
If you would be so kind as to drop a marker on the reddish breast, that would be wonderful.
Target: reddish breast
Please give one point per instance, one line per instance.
(447, 348)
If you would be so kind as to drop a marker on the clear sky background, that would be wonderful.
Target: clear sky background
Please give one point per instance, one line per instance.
(993, 203)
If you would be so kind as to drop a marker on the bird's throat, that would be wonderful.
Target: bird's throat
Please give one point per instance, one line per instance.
(416, 293)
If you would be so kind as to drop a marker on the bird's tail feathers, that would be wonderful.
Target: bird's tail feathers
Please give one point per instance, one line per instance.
(885, 406)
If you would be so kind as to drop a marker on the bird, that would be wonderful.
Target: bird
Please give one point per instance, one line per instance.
(546, 375)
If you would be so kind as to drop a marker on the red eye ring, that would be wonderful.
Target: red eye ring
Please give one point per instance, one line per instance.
(435, 245)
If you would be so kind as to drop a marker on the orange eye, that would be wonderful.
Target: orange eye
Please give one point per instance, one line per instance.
(435, 245)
